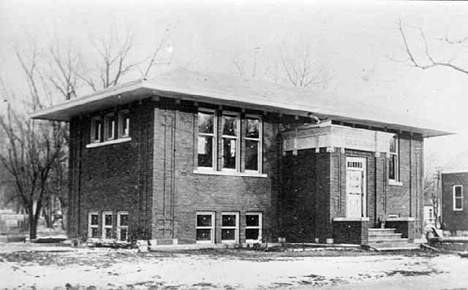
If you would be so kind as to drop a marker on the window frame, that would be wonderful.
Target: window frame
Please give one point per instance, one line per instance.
(259, 227)
(120, 227)
(395, 156)
(235, 228)
(93, 129)
(259, 140)
(212, 227)
(121, 117)
(455, 208)
(214, 135)
(104, 226)
(109, 135)
(91, 226)
(237, 115)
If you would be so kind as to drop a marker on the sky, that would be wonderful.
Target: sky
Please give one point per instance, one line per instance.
(357, 44)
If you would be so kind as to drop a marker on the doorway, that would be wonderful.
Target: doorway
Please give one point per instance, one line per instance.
(356, 187)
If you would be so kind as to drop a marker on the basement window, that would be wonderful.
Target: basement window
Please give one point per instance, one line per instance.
(122, 226)
(458, 198)
(205, 227)
(107, 225)
(93, 225)
(230, 227)
(253, 227)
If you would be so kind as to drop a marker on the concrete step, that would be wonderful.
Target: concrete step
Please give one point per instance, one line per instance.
(379, 230)
(390, 241)
(384, 236)
(399, 247)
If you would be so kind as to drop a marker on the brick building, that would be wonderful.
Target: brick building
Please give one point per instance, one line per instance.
(454, 199)
(199, 158)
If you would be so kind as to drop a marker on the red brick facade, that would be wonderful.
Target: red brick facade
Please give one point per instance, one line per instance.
(454, 220)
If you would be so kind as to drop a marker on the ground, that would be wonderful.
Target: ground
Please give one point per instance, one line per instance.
(35, 266)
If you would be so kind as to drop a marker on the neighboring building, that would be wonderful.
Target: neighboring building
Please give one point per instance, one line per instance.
(454, 196)
(201, 158)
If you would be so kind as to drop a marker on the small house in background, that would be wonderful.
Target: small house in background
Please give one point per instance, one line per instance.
(454, 196)
(213, 159)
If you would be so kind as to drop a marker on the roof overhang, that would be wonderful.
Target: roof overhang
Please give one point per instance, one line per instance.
(143, 89)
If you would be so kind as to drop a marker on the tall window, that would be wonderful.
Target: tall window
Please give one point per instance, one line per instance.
(205, 227)
(122, 226)
(230, 141)
(107, 225)
(458, 197)
(109, 127)
(393, 163)
(124, 124)
(253, 227)
(93, 225)
(230, 227)
(252, 144)
(96, 129)
(206, 139)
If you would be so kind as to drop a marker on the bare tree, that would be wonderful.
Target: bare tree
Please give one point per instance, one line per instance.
(425, 59)
(257, 69)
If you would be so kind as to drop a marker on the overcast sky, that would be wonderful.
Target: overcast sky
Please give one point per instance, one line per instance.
(355, 43)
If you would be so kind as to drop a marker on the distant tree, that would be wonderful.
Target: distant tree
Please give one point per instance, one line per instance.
(255, 69)
(419, 54)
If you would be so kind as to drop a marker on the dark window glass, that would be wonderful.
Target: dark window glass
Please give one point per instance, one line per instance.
(458, 191)
(108, 233)
(203, 234)
(253, 128)
(94, 219)
(123, 234)
(229, 125)
(229, 153)
(205, 122)
(252, 234)
(97, 129)
(458, 203)
(124, 220)
(252, 220)
(204, 221)
(393, 144)
(392, 167)
(251, 155)
(229, 221)
(108, 220)
(228, 234)
(94, 232)
(205, 151)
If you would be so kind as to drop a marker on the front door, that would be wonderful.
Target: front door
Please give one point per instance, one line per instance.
(355, 187)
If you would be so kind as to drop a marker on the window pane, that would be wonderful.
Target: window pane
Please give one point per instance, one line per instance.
(108, 220)
(123, 220)
(251, 155)
(458, 203)
(97, 129)
(229, 125)
(229, 221)
(205, 151)
(252, 220)
(229, 152)
(205, 122)
(228, 234)
(252, 234)
(391, 167)
(253, 128)
(393, 144)
(123, 234)
(203, 220)
(108, 233)
(94, 232)
(94, 219)
(203, 235)
(458, 191)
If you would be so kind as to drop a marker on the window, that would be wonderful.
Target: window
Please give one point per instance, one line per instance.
(458, 197)
(253, 227)
(253, 144)
(124, 124)
(393, 163)
(122, 226)
(230, 140)
(109, 127)
(107, 225)
(205, 227)
(96, 130)
(93, 224)
(230, 227)
(206, 139)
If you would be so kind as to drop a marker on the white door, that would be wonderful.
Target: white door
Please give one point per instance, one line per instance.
(355, 187)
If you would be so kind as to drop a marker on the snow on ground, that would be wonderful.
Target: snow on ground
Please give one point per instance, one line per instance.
(46, 267)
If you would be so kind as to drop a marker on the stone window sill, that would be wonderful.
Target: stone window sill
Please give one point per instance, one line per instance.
(110, 142)
(394, 182)
(230, 173)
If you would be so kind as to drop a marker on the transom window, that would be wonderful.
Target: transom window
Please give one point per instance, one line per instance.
(93, 225)
(230, 227)
(393, 162)
(458, 197)
(107, 223)
(205, 227)
(122, 226)
(253, 227)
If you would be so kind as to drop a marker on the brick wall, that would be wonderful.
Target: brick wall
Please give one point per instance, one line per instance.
(454, 220)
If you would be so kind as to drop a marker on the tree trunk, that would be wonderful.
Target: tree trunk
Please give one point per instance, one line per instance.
(32, 226)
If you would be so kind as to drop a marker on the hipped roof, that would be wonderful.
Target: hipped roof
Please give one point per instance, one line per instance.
(238, 91)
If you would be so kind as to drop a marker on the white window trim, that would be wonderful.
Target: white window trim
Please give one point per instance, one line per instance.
(396, 180)
(454, 198)
(109, 135)
(237, 138)
(260, 143)
(236, 228)
(259, 227)
(119, 227)
(214, 154)
(104, 226)
(93, 130)
(212, 228)
(90, 226)
(121, 133)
